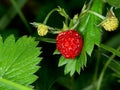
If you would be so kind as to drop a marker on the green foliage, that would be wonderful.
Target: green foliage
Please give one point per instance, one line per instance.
(89, 31)
(92, 33)
(114, 66)
(112, 50)
(18, 62)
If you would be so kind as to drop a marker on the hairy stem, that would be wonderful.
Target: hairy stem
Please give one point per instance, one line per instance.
(48, 15)
(96, 14)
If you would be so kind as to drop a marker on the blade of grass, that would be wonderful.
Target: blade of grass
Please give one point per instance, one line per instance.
(11, 13)
(110, 49)
(95, 75)
(15, 5)
(104, 69)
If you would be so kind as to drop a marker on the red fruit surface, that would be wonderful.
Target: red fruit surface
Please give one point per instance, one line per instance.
(69, 43)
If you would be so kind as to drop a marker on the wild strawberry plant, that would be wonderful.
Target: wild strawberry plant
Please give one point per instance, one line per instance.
(78, 42)
(85, 24)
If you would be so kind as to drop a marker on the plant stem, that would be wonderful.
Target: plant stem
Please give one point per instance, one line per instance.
(103, 70)
(13, 85)
(96, 68)
(96, 14)
(75, 25)
(48, 15)
(72, 83)
(49, 40)
(110, 49)
(21, 15)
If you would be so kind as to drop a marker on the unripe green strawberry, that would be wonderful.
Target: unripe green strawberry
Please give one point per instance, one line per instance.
(69, 43)
(110, 23)
(42, 29)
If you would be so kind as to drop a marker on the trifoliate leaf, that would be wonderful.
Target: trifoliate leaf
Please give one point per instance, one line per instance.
(18, 61)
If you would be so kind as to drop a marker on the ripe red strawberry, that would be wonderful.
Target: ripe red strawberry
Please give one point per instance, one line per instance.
(69, 43)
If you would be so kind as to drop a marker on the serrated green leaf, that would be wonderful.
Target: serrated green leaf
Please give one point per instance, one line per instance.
(89, 29)
(83, 24)
(18, 60)
(89, 43)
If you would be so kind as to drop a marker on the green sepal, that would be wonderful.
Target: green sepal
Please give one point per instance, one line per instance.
(56, 52)
(73, 65)
(62, 12)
